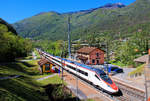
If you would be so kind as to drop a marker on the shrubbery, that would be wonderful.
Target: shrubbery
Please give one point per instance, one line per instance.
(11, 45)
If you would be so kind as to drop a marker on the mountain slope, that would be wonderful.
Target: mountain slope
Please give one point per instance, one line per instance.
(116, 19)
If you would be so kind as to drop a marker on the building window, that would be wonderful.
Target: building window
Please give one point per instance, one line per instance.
(47, 67)
(97, 62)
(93, 61)
(97, 54)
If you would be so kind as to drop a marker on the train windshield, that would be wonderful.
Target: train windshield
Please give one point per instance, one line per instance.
(103, 76)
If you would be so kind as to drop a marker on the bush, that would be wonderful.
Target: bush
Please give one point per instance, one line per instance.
(12, 46)
(57, 92)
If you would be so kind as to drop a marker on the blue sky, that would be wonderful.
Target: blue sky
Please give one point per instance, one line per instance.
(15, 10)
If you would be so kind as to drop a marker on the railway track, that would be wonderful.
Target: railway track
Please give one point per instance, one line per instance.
(126, 93)
(107, 96)
(130, 92)
(118, 97)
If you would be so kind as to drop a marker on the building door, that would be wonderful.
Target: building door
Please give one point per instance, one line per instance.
(97, 62)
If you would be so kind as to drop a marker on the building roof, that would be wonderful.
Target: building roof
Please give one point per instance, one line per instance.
(142, 59)
(82, 57)
(42, 61)
(86, 50)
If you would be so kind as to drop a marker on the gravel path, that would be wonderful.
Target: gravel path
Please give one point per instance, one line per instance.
(9, 77)
(47, 77)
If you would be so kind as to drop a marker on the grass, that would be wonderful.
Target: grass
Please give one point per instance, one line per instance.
(53, 80)
(40, 76)
(21, 89)
(24, 88)
(18, 68)
(138, 70)
(27, 88)
(28, 58)
(118, 63)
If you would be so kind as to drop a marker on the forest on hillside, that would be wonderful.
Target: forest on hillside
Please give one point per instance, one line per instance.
(125, 31)
(11, 45)
(122, 51)
(53, 26)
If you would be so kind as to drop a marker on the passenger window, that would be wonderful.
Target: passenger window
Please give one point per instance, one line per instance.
(97, 77)
(86, 73)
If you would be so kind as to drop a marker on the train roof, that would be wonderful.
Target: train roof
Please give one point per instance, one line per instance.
(79, 64)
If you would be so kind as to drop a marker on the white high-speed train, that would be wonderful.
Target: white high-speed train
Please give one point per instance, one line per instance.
(95, 76)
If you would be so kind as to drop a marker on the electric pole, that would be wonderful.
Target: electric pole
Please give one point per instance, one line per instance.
(62, 65)
(69, 47)
(107, 56)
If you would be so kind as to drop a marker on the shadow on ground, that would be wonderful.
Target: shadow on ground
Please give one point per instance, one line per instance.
(58, 92)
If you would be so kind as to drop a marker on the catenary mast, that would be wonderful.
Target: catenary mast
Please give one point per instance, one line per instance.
(69, 47)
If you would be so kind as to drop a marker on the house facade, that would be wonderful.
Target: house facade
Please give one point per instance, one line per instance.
(46, 66)
(90, 55)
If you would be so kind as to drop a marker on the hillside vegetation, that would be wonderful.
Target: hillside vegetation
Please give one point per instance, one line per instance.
(120, 22)
(11, 45)
(23, 88)
(124, 30)
(26, 87)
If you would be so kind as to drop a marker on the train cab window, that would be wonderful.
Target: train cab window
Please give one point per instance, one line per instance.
(103, 76)
(97, 77)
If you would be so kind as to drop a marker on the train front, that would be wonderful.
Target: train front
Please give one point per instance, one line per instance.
(108, 85)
